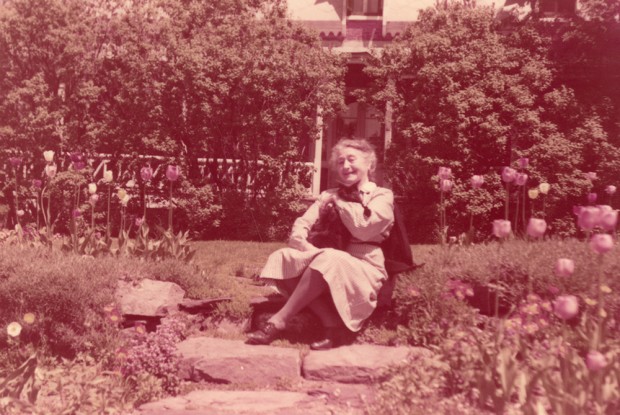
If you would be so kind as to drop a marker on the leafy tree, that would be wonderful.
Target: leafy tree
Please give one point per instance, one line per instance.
(469, 96)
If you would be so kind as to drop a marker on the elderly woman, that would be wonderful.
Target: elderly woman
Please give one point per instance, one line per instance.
(339, 286)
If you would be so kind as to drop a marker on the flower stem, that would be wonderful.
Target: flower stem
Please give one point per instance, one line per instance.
(170, 209)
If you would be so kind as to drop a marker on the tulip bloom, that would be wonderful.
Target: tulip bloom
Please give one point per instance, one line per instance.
(564, 267)
(566, 307)
(37, 183)
(601, 243)
(14, 329)
(48, 156)
(592, 198)
(523, 162)
(595, 360)
(610, 190)
(477, 181)
(92, 188)
(93, 199)
(544, 188)
(50, 170)
(501, 228)
(533, 193)
(520, 179)
(608, 220)
(173, 173)
(29, 318)
(444, 173)
(146, 173)
(445, 185)
(508, 174)
(77, 213)
(588, 217)
(536, 227)
(121, 193)
(108, 176)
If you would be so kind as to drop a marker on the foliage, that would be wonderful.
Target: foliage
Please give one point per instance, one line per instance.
(469, 97)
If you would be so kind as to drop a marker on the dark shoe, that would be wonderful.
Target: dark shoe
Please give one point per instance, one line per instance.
(328, 342)
(265, 335)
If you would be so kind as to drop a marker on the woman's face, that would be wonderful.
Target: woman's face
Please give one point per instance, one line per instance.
(353, 166)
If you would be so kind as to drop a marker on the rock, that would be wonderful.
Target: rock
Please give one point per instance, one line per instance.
(232, 361)
(148, 297)
(360, 363)
(237, 403)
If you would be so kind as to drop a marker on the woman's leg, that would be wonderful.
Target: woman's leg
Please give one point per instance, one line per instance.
(323, 306)
(310, 286)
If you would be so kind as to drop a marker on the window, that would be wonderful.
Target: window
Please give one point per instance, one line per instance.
(364, 7)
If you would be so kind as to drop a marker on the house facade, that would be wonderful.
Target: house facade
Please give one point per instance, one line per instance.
(355, 28)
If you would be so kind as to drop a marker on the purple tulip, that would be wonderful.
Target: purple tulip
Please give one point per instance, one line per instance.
(592, 198)
(520, 179)
(445, 185)
(77, 213)
(173, 173)
(444, 173)
(536, 227)
(508, 174)
(523, 162)
(146, 173)
(37, 183)
(601, 243)
(501, 228)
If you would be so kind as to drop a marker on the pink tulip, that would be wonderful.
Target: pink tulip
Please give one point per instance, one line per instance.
(93, 199)
(595, 360)
(508, 174)
(523, 162)
(15, 161)
(588, 217)
(37, 183)
(477, 181)
(444, 173)
(564, 267)
(601, 243)
(501, 228)
(173, 173)
(608, 220)
(536, 227)
(566, 307)
(610, 190)
(590, 175)
(445, 185)
(520, 179)
(146, 173)
(592, 198)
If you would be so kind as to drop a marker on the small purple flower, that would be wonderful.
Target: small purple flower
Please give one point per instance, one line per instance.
(77, 213)
(36, 183)
(15, 161)
(146, 173)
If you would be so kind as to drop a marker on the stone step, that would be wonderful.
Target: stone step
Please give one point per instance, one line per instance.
(239, 403)
(233, 361)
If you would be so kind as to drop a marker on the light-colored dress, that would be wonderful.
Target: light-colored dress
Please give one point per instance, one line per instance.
(355, 275)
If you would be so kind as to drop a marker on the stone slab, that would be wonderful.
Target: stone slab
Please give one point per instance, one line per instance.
(360, 363)
(148, 297)
(233, 361)
(237, 403)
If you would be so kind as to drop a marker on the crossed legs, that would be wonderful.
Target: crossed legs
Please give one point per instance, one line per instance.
(310, 290)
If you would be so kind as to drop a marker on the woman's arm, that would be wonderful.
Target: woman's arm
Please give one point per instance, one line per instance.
(367, 226)
(302, 225)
